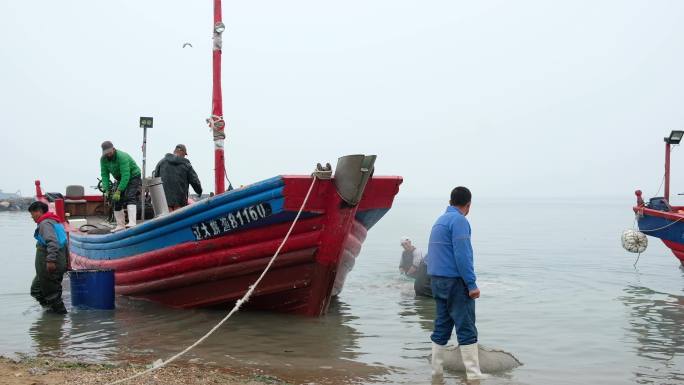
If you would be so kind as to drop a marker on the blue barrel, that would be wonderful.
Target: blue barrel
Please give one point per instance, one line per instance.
(92, 289)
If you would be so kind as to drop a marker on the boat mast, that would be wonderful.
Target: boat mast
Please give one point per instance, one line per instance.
(675, 138)
(667, 169)
(216, 121)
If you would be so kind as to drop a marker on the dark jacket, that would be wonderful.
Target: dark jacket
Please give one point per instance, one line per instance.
(177, 173)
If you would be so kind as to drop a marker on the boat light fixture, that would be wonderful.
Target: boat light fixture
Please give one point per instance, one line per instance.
(219, 27)
(675, 137)
(145, 122)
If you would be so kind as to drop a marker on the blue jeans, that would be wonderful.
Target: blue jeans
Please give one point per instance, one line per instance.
(455, 308)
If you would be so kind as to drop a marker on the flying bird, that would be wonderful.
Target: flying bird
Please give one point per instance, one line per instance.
(187, 44)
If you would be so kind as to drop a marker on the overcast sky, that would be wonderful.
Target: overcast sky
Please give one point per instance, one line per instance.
(521, 98)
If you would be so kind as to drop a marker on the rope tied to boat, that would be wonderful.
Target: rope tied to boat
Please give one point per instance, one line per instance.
(217, 127)
(635, 241)
(660, 228)
(157, 365)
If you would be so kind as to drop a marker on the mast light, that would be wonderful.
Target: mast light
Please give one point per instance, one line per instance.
(675, 137)
(219, 27)
(145, 122)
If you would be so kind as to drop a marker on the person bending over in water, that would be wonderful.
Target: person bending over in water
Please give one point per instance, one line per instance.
(410, 258)
(413, 265)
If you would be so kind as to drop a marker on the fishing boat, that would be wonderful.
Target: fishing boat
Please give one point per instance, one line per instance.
(210, 252)
(657, 217)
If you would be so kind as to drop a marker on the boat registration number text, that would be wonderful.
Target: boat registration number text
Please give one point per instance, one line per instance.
(232, 221)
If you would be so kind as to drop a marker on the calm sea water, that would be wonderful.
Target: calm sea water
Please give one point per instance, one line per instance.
(558, 291)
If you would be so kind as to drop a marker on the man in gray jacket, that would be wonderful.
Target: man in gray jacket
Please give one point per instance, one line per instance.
(177, 173)
(51, 258)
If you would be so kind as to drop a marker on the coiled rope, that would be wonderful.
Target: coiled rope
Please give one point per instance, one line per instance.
(238, 304)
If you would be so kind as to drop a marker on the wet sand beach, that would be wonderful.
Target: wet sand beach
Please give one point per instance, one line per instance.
(50, 371)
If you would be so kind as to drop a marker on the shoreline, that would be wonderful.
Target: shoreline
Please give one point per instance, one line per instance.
(44, 370)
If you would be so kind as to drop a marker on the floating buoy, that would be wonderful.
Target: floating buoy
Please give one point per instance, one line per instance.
(634, 241)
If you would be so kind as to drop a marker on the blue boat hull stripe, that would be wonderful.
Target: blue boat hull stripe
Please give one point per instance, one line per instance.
(274, 184)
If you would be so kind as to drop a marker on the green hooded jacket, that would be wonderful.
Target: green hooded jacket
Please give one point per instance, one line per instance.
(122, 167)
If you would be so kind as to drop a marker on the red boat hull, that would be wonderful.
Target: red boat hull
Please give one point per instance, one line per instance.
(217, 271)
(666, 225)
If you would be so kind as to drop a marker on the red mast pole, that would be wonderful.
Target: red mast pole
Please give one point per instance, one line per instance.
(39, 191)
(667, 170)
(216, 121)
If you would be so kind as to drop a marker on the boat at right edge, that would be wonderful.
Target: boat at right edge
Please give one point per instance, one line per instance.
(657, 217)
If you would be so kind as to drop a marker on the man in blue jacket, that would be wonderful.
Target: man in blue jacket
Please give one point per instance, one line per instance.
(450, 266)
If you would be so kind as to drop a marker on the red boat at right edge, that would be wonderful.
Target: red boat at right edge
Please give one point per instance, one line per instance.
(657, 217)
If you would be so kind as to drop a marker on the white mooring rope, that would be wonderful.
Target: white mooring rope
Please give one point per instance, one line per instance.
(238, 304)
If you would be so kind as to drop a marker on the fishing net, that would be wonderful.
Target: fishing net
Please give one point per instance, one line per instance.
(634, 241)
(491, 360)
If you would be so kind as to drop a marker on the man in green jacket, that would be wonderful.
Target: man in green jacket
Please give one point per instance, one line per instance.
(123, 168)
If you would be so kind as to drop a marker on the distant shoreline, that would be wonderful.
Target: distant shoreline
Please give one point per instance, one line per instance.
(15, 204)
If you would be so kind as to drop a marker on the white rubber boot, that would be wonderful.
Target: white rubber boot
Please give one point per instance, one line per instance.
(131, 215)
(438, 359)
(471, 361)
(120, 218)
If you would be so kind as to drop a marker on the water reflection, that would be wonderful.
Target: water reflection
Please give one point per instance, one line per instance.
(324, 350)
(86, 335)
(92, 335)
(47, 333)
(656, 326)
(420, 309)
